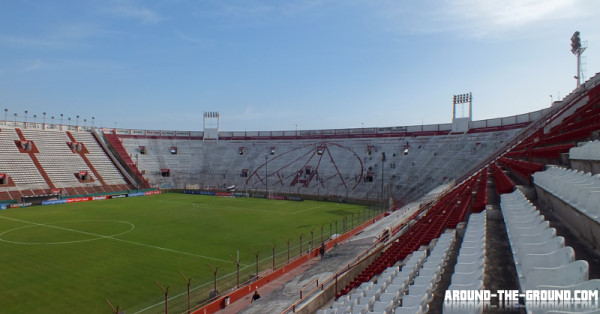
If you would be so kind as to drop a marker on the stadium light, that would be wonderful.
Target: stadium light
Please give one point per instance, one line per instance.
(577, 49)
(5, 114)
(575, 42)
(166, 292)
(188, 282)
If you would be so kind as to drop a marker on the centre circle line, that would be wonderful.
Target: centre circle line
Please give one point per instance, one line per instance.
(96, 237)
(120, 240)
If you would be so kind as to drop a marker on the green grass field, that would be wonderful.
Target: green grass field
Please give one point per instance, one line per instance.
(70, 258)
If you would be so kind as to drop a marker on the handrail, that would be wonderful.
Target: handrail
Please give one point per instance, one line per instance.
(263, 273)
(438, 128)
(347, 268)
(377, 242)
(550, 116)
(353, 263)
(393, 237)
(100, 140)
(313, 252)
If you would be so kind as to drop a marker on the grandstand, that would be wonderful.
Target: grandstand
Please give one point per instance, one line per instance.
(519, 199)
(372, 164)
(39, 161)
(403, 163)
(549, 220)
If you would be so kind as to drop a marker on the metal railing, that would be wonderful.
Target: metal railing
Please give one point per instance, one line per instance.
(550, 116)
(333, 278)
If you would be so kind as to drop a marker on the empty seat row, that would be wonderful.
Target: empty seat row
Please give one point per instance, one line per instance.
(470, 264)
(469, 270)
(548, 152)
(588, 151)
(98, 158)
(405, 290)
(522, 167)
(22, 170)
(503, 183)
(420, 292)
(49, 142)
(481, 199)
(541, 257)
(579, 189)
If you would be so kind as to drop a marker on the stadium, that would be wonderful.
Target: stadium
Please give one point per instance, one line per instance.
(469, 216)
(442, 207)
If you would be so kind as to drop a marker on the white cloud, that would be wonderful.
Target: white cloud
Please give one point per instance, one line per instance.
(136, 12)
(11, 41)
(195, 40)
(57, 36)
(247, 9)
(482, 18)
(508, 14)
(37, 64)
(75, 31)
(265, 11)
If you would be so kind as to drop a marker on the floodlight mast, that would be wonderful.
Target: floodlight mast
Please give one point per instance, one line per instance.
(577, 49)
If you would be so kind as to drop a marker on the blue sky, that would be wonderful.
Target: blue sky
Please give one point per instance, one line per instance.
(272, 65)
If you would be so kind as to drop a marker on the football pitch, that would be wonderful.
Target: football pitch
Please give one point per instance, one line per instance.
(71, 258)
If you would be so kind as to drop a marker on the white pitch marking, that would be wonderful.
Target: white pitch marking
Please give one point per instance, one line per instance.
(116, 239)
(67, 242)
(200, 286)
(307, 209)
(202, 205)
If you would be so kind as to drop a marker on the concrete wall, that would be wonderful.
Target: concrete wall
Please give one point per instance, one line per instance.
(579, 223)
(592, 166)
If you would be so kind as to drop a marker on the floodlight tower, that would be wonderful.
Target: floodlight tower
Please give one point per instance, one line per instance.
(462, 124)
(577, 49)
(211, 125)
